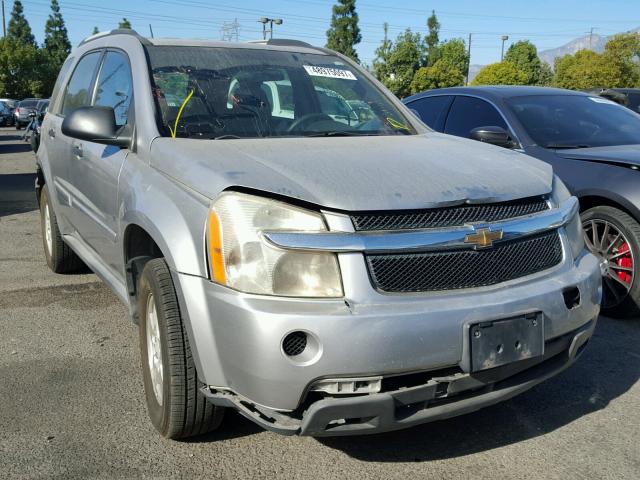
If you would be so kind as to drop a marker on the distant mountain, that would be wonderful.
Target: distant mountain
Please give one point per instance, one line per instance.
(597, 45)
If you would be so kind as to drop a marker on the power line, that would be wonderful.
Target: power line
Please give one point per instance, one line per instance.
(230, 31)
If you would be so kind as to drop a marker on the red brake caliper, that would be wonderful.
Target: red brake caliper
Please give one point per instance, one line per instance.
(624, 261)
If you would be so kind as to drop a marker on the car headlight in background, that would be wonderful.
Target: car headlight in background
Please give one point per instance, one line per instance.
(241, 259)
(574, 231)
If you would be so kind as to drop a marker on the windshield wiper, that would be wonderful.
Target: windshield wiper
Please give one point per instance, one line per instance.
(561, 146)
(340, 133)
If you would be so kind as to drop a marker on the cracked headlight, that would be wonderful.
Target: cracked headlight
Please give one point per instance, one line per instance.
(575, 235)
(240, 258)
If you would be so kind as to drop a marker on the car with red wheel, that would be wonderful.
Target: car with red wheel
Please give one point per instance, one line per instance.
(593, 145)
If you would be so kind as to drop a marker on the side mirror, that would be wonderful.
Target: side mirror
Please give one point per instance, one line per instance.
(95, 124)
(494, 135)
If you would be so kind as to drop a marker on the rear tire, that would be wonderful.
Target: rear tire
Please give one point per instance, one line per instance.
(60, 258)
(177, 408)
(620, 254)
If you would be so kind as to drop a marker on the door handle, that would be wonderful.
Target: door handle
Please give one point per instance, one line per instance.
(52, 133)
(77, 150)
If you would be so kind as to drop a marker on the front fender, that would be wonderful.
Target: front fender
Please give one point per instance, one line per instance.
(171, 214)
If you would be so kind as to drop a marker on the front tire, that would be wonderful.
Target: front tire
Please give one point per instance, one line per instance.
(176, 406)
(614, 237)
(60, 258)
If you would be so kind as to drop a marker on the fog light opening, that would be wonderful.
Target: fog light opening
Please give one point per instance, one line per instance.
(571, 297)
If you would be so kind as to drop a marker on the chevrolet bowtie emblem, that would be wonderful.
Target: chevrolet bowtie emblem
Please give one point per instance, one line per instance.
(484, 237)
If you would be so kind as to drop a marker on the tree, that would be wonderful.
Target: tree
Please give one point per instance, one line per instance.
(19, 28)
(95, 30)
(126, 24)
(19, 67)
(454, 53)
(524, 56)
(403, 58)
(56, 41)
(431, 40)
(440, 75)
(501, 73)
(546, 75)
(344, 33)
(623, 51)
(587, 69)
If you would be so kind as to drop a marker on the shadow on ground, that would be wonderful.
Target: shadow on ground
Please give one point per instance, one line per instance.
(609, 367)
(17, 193)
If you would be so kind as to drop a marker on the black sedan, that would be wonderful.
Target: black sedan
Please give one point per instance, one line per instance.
(593, 145)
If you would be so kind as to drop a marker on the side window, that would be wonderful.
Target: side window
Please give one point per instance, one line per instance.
(114, 87)
(432, 110)
(468, 113)
(77, 93)
(58, 85)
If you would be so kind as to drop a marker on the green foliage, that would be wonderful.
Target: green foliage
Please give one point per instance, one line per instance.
(344, 33)
(440, 75)
(623, 51)
(432, 39)
(95, 30)
(546, 75)
(124, 23)
(524, 56)
(56, 44)
(587, 69)
(454, 53)
(19, 69)
(501, 73)
(19, 28)
(402, 58)
(383, 52)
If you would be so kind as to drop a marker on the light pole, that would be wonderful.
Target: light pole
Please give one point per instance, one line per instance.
(504, 39)
(270, 21)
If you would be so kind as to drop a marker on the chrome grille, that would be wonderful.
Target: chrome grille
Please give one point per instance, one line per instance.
(457, 269)
(447, 217)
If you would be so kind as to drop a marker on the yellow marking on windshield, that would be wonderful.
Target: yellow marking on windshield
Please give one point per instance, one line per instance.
(184, 104)
(396, 124)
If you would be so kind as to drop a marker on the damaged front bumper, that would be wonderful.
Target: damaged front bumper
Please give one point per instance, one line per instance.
(440, 397)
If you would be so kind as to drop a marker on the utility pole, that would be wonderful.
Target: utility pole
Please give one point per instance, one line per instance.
(466, 79)
(4, 25)
(591, 37)
(151, 30)
(504, 39)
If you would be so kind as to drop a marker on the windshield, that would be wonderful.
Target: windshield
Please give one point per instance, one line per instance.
(221, 93)
(28, 103)
(576, 121)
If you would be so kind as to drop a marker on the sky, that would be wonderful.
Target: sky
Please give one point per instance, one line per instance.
(547, 23)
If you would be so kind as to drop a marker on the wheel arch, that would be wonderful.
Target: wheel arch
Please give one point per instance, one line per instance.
(596, 198)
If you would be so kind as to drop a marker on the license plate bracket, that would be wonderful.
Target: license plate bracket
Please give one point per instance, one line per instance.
(496, 343)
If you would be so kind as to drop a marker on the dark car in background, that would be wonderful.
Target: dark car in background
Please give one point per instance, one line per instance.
(8, 104)
(629, 97)
(23, 110)
(592, 143)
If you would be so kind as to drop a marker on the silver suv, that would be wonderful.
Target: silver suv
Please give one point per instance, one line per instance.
(322, 274)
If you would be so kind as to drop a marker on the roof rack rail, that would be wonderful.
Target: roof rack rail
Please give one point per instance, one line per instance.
(117, 31)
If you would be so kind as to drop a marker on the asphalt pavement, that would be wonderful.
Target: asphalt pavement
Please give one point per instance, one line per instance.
(72, 404)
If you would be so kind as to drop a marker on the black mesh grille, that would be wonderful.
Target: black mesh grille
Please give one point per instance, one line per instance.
(450, 270)
(294, 343)
(448, 217)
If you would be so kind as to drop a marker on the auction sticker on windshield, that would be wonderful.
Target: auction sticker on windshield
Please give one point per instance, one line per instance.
(329, 72)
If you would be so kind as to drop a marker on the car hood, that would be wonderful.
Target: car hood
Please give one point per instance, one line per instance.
(356, 173)
(619, 154)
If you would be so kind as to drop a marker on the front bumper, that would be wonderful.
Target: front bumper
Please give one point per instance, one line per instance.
(439, 398)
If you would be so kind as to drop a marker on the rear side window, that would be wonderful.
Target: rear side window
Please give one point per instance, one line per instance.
(77, 94)
(432, 110)
(114, 86)
(61, 75)
(468, 113)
